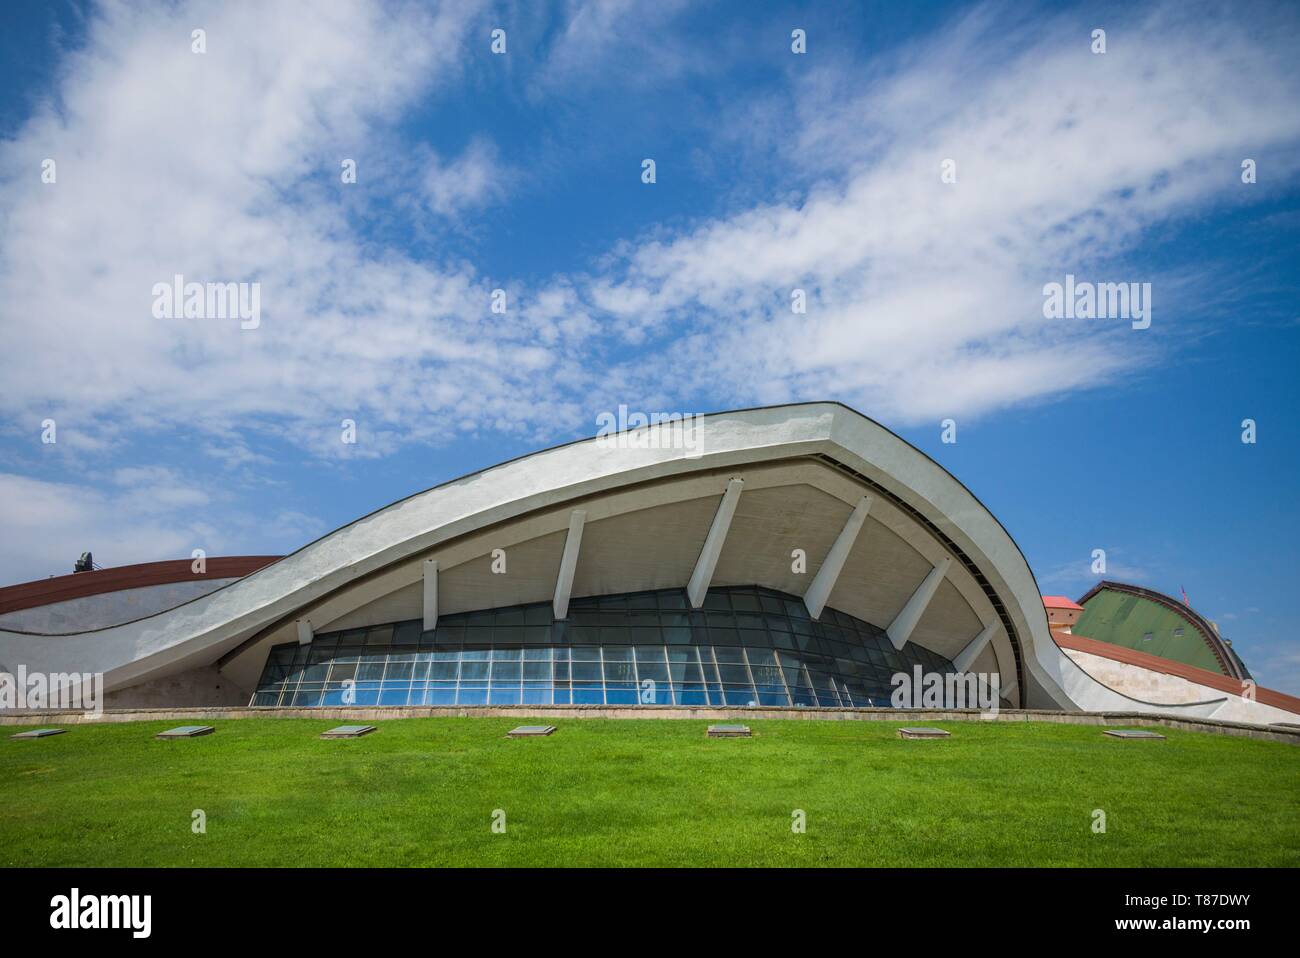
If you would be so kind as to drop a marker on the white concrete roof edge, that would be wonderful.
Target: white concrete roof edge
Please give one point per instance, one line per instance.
(129, 652)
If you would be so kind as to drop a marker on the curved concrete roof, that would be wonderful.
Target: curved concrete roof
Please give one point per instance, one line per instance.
(919, 500)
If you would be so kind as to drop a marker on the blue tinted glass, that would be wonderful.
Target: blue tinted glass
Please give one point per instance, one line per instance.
(746, 646)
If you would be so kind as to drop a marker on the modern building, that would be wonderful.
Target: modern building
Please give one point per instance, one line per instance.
(795, 556)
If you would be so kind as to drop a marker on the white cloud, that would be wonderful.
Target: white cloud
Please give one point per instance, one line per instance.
(224, 167)
(472, 180)
(925, 298)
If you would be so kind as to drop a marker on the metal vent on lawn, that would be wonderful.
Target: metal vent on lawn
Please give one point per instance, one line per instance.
(923, 733)
(186, 731)
(530, 731)
(348, 731)
(729, 731)
(1131, 733)
(40, 733)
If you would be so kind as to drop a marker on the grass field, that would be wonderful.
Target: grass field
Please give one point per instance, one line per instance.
(642, 792)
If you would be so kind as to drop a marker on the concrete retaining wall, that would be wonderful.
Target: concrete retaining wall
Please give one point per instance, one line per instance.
(551, 713)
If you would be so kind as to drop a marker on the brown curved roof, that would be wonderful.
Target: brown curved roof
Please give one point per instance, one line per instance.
(60, 588)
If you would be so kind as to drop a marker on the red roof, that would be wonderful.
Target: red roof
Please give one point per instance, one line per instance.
(1061, 602)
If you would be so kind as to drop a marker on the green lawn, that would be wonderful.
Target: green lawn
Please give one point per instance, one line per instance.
(644, 792)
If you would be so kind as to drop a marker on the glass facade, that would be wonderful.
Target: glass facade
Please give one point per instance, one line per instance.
(747, 646)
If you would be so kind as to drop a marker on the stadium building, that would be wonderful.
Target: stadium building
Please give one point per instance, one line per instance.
(794, 556)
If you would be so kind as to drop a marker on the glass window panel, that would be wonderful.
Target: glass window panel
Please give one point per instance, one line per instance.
(472, 695)
(440, 694)
(621, 693)
(537, 655)
(444, 669)
(537, 671)
(585, 693)
(733, 674)
(587, 671)
(655, 671)
(504, 695)
(692, 693)
(371, 668)
(507, 671)
(473, 670)
(685, 672)
(739, 695)
(716, 599)
(380, 635)
(510, 616)
(672, 599)
(398, 670)
(621, 654)
(407, 633)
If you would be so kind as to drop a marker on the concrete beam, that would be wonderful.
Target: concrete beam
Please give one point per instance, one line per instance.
(822, 584)
(305, 634)
(966, 657)
(900, 630)
(430, 594)
(698, 587)
(568, 564)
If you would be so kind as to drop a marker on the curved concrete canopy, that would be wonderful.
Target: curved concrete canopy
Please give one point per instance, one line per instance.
(651, 508)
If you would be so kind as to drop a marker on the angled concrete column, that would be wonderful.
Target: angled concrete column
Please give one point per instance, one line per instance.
(822, 584)
(966, 657)
(900, 630)
(568, 564)
(698, 587)
(305, 634)
(1008, 686)
(430, 594)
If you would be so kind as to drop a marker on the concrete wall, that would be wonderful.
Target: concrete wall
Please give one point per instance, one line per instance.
(203, 686)
(1151, 686)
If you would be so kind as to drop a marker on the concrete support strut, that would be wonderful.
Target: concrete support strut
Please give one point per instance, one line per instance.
(819, 591)
(430, 594)
(900, 630)
(698, 587)
(568, 564)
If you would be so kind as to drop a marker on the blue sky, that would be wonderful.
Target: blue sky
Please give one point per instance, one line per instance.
(522, 171)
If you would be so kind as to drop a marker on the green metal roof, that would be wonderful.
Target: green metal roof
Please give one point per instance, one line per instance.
(1137, 622)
